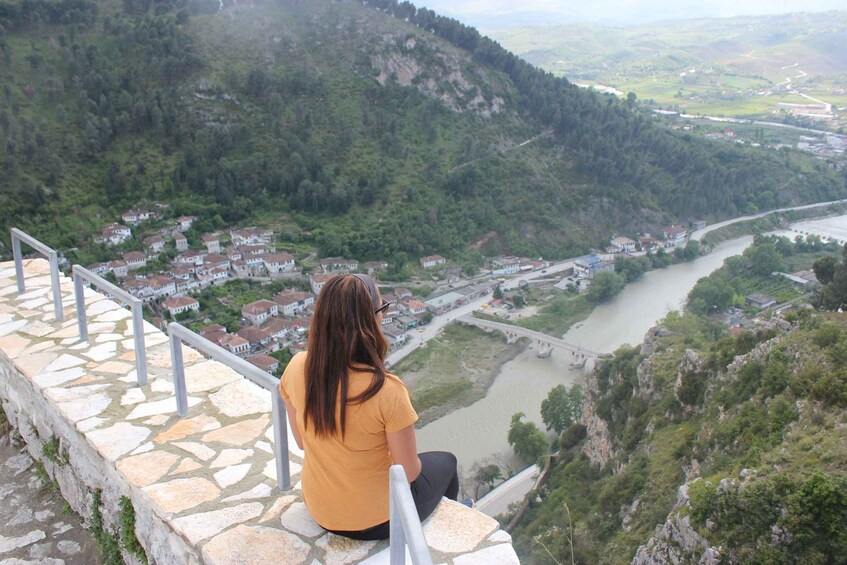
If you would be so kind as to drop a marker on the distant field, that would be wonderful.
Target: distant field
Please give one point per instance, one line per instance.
(740, 67)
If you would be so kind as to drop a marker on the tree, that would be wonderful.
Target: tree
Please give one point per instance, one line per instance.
(604, 286)
(825, 269)
(710, 294)
(561, 408)
(487, 475)
(526, 439)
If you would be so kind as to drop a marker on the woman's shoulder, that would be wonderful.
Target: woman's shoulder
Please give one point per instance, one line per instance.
(393, 383)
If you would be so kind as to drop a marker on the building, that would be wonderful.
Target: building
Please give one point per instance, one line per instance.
(277, 263)
(504, 266)
(180, 304)
(373, 266)
(119, 268)
(99, 268)
(674, 236)
(257, 337)
(183, 223)
(338, 265)
(213, 333)
(432, 261)
(235, 344)
(698, 225)
(212, 242)
(190, 257)
(249, 236)
(292, 302)
(318, 281)
(265, 362)
(623, 244)
(759, 300)
(114, 234)
(135, 260)
(137, 216)
(588, 266)
(259, 311)
(180, 242)
(155, 243)
(444, 302)
(162, 285)
(648, 243)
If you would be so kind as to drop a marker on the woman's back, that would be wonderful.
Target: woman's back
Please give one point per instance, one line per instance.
(345, 478)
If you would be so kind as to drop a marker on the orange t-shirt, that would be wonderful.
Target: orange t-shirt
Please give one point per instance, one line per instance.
(345, 481)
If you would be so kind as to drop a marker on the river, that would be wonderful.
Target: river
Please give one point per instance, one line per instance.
(478, 433)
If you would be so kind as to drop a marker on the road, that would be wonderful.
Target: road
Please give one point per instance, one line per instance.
(431, 330)
(498, 500)
(698, 234)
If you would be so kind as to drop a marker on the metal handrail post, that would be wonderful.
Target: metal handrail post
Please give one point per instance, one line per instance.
(180, 390)
(81, 274)
(405, 526)
(17, 237)
(81, 320)
(179, 334)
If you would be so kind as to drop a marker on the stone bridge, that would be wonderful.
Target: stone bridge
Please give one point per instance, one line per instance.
(545, 342)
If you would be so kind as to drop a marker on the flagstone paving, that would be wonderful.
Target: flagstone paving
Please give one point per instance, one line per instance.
(210, 476)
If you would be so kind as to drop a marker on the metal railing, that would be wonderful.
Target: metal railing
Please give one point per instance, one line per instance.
(405, 526)
(81, 274)
(179, 334)
(17, 237)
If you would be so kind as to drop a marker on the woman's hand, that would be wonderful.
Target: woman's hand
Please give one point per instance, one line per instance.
(404, 451)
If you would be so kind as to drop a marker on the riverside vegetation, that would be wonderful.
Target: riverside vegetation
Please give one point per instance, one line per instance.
(710, 444)
(377, 131)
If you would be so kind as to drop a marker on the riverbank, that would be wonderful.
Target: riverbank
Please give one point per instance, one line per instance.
(454, 370)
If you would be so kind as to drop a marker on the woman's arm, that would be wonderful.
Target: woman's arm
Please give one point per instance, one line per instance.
(404, 451)
(292, 420)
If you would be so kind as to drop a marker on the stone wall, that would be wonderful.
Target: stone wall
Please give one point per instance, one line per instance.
(203, 487)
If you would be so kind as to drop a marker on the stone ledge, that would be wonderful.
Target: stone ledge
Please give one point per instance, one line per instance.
(204, 486)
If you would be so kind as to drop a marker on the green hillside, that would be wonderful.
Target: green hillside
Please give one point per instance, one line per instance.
(741, 66)
(715, 441)
(344, 126)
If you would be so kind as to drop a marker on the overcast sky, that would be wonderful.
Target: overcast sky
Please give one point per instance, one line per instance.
(510, 13)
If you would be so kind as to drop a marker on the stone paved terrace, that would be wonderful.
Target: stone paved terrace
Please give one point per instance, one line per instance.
(203, 487)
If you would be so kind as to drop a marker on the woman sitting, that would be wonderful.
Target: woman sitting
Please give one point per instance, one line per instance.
(354, 420)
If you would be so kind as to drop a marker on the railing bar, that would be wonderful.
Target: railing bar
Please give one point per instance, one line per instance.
(81, 273)
(178, 334)
(180, 390)
(52, 256)
(412, 531)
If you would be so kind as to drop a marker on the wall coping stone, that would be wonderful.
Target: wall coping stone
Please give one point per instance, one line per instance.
(203, 487)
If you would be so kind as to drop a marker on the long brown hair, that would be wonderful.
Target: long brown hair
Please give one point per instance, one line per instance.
(344, 331)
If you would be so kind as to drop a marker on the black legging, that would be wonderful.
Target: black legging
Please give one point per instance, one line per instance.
(438, 478)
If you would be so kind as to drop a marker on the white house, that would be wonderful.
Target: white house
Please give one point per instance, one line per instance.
(251, 235)
(318, 281)
(625, 244)
(114, 234)
(135, 260)
(183, 223)
(212, 242)
(292, 302)
(162, 285)
(235, 344)
(279, 263)
(259, 311)
(181, 242)
(119, 268)
(504, 266)
(431, 261)
(155, 243)
(190, 257)
(372, 266)
(265, 362)
(674, 236)
(99, 268)
(338, 264)
(180, 304)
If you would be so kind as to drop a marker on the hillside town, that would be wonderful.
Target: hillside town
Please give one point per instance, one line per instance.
(272, 329)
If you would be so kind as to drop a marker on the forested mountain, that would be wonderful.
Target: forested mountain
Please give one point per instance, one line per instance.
(374, 130)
